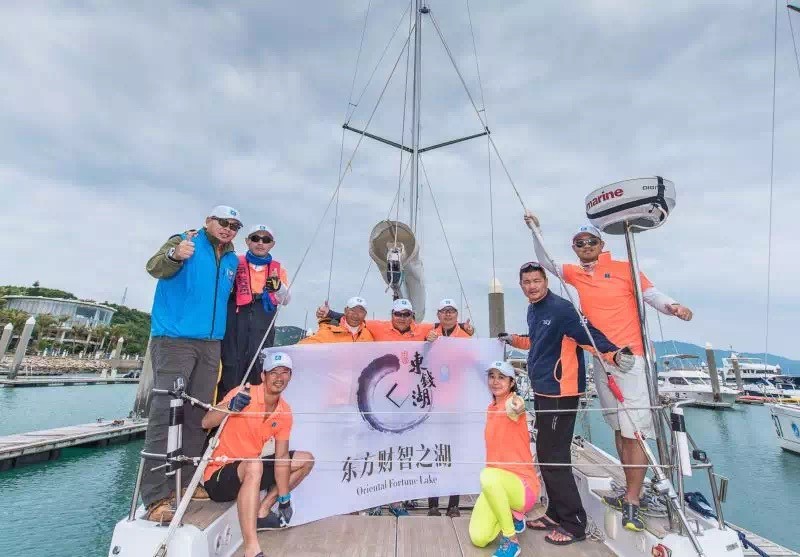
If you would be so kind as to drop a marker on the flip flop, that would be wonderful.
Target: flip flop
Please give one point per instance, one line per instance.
(545, 524)
(570, 537)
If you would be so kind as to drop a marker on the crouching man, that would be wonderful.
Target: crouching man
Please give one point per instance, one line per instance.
(259, 415)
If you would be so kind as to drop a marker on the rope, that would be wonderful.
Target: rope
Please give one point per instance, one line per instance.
(446, 240)
(771, 181)
(224, 459)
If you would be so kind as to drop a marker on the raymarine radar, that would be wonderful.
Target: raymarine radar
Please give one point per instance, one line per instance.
(643, 203)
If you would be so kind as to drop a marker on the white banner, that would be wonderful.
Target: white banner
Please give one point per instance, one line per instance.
(388, 421)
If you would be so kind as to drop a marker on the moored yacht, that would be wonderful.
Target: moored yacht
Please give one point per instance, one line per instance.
(786, 418)
(689, 382)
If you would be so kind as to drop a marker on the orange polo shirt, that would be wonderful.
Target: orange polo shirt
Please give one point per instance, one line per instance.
(508, 441)
(383, 331)
(608, 299)
(337, 333)
(245, 436)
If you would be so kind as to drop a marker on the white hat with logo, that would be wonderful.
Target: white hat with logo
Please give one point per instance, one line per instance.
(503, 367)
(356, 301)
(588, 229)
(277, 359)
(401, 304)
(447, 303)
(260, 228)
(225, 212)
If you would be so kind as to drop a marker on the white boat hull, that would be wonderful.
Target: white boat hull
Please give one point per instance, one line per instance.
(786, 419)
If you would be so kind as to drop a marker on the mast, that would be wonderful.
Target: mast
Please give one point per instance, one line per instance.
(416, 113)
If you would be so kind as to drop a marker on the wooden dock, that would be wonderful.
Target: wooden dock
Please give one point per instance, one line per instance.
(60, 381)
(38, 446)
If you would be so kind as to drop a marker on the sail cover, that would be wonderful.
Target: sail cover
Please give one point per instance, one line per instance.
(395, 251)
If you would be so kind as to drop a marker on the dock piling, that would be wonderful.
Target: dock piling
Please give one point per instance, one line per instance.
(737, 371)
(5, 339)
(22, 347)
(712, 371)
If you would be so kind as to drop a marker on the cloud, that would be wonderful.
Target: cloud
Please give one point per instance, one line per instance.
(123, 124)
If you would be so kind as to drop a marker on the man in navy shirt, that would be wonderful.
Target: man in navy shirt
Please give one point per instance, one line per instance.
(555, 342)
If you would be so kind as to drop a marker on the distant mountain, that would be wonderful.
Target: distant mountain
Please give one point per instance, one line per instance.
(788, 366)
(286, 335)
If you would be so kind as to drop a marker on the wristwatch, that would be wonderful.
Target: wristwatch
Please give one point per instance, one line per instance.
(170, 255)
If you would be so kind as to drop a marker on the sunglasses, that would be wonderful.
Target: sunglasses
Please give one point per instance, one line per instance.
(228, 223)
(588, 242)
(261, 239)
(405, 314)
(531, 266)
(448, 311)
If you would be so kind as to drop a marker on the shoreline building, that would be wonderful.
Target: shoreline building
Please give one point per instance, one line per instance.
(73, 314)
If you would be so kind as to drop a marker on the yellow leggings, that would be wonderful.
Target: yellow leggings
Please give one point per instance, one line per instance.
(501, 491)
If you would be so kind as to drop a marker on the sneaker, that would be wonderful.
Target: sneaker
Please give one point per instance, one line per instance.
(631, 517)
(161, 511)
(434, 511)
(453, 512)
(519, 525)
(398, 511)
(507, 548)
(616, 502)
(200, 494)
(375, 511)
(270, 522)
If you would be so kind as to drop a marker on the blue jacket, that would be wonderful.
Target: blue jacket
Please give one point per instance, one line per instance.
(193, 303)
(555, 356)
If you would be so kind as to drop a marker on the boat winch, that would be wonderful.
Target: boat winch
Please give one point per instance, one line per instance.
(643, 203)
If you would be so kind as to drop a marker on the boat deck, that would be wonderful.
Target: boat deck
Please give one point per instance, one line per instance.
(414, 536)
(419, 535)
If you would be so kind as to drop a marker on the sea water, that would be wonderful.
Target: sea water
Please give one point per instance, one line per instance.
(69, 507)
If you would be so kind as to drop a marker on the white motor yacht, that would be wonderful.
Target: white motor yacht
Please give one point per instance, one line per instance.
(684, 379)
(786, 418)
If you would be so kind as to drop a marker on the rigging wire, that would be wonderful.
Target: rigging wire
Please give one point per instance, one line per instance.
(794, 43)
(194, 482)
(446, 240)
(771, 180)
(377, 65)
(341, 149)
(402, 134)
(488, 145)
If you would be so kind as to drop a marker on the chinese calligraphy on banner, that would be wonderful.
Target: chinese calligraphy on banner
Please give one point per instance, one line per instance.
(388, 421)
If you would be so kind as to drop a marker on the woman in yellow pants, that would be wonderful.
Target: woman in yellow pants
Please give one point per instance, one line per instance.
(509, 485)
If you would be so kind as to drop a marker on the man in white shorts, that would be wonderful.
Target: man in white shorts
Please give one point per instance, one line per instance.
(605, 289)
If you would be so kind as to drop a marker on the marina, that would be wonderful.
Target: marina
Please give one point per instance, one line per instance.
(375, 428)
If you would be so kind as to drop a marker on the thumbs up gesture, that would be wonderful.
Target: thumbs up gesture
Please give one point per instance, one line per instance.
(322, 311)
(468, 328)
(186, 248)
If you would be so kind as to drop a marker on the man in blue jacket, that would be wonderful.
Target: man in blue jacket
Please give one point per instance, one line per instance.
(195, 272)
(555, 342)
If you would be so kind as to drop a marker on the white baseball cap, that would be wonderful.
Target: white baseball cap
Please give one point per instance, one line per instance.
(225, 212)
(503, 367)
(356, 301)
(260, 228)
(401, 304)
(588, 229)
(447, 303)
(277, 359)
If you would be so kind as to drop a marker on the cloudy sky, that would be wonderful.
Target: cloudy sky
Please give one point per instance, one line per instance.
(123, 123)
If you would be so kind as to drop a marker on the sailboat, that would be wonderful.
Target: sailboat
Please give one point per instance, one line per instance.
(206, 529)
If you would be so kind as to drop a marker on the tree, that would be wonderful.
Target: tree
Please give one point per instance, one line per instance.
(16, 317)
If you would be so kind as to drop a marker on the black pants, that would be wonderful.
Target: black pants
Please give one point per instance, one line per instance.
(433, 502)
(553, 441)
(244, 330)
